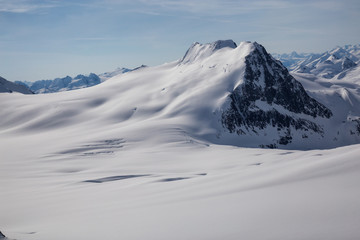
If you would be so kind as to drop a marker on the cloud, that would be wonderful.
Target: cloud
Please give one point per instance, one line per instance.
(24, 6)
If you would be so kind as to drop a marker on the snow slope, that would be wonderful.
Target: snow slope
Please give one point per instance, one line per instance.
(145, 155)
(105, 76)
(175, 191)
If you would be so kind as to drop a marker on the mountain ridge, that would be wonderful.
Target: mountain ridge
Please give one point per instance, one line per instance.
(228, 95)
(9, 87)
(333, 63)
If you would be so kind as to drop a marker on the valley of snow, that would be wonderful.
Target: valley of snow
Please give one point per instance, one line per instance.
(144, 156)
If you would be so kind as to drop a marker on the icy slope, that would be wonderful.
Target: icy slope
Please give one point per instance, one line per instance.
(9, 87)
(217, 93)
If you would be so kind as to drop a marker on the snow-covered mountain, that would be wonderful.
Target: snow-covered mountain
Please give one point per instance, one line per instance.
(328, 64)
(334, 63)
(290, 60)
(9, 87)
(224, 93)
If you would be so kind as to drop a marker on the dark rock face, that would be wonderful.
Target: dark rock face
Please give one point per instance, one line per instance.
(9, 87)
(2, 236)
(357, 125)
(224, 43)
(347, 63)
(268, 82)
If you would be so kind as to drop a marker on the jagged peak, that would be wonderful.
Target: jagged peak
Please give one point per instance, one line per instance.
(258, 49)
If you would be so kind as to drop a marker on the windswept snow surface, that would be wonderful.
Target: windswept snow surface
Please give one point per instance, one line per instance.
(136, 157)
(59, 188)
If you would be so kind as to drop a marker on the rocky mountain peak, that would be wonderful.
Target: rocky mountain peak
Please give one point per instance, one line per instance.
(270, 97)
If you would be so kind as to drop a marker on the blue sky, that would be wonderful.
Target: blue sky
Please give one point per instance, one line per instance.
(44, 39)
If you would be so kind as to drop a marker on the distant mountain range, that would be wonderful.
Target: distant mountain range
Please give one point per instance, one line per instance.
(334, 63)
(330, 64)
(68, 83)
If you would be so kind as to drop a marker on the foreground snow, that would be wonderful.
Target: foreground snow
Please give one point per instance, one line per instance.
(182, 190)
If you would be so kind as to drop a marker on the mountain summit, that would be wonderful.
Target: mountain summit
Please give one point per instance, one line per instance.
(199, 51)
